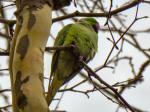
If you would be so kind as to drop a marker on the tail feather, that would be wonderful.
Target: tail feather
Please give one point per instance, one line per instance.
(53, 88)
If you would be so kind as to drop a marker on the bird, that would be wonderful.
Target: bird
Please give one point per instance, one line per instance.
(65, 65)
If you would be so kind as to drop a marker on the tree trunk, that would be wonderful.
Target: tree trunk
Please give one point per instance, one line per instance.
(26, 57)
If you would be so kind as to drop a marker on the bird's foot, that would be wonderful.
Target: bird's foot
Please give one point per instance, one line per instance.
(81, 58)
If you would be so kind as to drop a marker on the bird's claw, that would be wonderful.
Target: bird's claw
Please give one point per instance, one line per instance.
(80, 58)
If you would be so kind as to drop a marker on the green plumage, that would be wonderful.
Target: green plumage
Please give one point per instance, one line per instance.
(65, 63)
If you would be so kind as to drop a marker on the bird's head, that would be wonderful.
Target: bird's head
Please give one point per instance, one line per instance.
(91, 21)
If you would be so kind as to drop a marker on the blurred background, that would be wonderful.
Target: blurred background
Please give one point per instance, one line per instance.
(127, 68)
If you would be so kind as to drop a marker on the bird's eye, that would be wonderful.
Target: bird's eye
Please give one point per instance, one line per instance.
(96, 27)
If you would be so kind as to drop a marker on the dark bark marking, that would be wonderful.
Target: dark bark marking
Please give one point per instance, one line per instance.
(41, 77)
(20, 97)
(32, 20)
(23, 45)
(22, 101)
(25, 80)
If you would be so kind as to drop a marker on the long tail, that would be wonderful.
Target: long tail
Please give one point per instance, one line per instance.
(53, 88)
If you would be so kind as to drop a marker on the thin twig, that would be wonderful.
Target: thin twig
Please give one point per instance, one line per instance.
(89, 70)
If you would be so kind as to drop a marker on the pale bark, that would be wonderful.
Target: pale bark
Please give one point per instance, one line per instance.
(26, 55)
(26, 58)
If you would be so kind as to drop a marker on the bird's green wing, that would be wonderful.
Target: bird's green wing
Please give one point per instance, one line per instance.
(62, 35)
(59, 42)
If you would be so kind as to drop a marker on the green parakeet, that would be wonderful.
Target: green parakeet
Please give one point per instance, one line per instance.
(65, 63)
